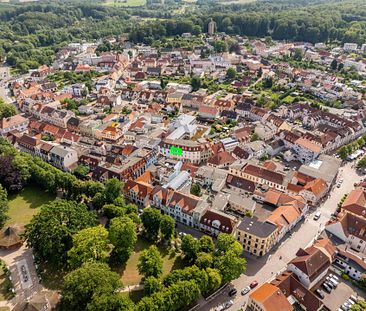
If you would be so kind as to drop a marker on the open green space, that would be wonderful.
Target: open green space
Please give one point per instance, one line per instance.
(25, 204)
(125, 2)
(129, 273)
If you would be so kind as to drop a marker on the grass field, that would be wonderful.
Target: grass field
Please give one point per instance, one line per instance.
(125, 2)
(26, 203)
(129, 273)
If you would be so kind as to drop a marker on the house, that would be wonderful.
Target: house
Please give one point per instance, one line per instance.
(311, 264)
(208, 113)
(351, 264)
(350, 229)
(257, 237)
(63, 157)
(268, 297)
(184, 208)
(28, 144)
(314, 191)
(355, 203)
(261, 176)
(240, 185)
(221, 159)
(138, 192)
(296, 293)
(214, 222)
(14, 123)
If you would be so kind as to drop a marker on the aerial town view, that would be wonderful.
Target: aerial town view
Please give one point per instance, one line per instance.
(165, 155)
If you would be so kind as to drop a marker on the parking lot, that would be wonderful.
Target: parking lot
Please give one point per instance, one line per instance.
(340, 294)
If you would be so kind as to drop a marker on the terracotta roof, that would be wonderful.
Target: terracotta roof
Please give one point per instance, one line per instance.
(208, 110)
(289, 285)
(284, 216)
(308, 144)
(12, 121)
(146, 178)
(311, 261)
(142, 190)
(317, 186)
(187, 202)
(271, 298)
(353, 224)
(356, 202)
(221, 158)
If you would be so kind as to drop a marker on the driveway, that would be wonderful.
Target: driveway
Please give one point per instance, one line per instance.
(265, 268)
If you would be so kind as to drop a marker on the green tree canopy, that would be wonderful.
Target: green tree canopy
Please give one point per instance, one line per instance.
(89, 245)
(50, 231)
(167, 226)
(6, 110)
(3, 206)
(150, 262)
(190, 247)
(122, 234)
(150, 219)
(89, 282)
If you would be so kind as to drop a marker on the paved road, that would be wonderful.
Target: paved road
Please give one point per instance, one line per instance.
(265, 268)
(15, 259)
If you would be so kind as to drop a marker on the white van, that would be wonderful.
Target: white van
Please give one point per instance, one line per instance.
(317, 215)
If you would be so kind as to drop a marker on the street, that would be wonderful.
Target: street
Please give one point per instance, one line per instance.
(265, 268)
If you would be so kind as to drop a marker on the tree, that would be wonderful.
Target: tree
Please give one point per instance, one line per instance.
(220, 46)
(340, 66)
(81, 171)
(122, 234)
(298, 55)
(163, 83)
(230, 265)
(150, 219)
(150, 262)
(343, 152)
(231, 73)
(6, 110)
(192, 273)
(3, 206)
(152, 285)
(50, 231)
(334, 65)
(86, 283)
(195, 83)
(254, 137)
(226, 242)
(360, 305)
(190, 247)
(204, 260)
(10, 177)
(214, 279)
(167, 225)
(196, 189)
(113, 188)
(362, 163)
(206, 244)
(267, 82)
(89, 245)
(110, 302)
(260, 72)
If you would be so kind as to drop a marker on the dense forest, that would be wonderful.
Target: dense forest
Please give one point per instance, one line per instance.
(30, 34)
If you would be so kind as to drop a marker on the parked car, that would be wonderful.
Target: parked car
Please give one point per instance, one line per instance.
(320, 293)
(327, 288)
(334, 277)
(232, 292)
(330, 285)
(353, 298)
(253, 284)
(317, 215)
(228, 304)
(245, 290)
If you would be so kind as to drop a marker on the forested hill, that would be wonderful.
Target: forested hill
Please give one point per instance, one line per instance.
(31, 33)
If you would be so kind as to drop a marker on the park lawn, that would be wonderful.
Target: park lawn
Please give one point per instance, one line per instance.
(125, 2)
(25, 204)
(129, 273)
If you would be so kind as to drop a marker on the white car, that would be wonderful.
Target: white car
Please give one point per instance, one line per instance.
(228, 304)
(245, 290)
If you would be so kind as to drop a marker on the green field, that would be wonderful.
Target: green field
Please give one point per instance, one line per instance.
(129, 273)
(125, 2)
(26, 203)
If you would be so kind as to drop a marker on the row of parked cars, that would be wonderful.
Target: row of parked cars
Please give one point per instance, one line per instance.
(24, 273)
(331, 282)
(233, 292)
(348, 303)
